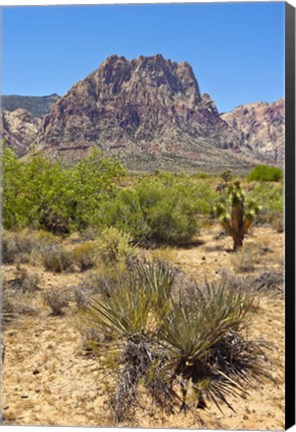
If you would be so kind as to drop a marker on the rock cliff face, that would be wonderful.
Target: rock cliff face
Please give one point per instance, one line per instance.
(263, 128)
(149, 112)
(19, 130)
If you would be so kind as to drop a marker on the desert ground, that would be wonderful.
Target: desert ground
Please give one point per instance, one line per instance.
(48, 378)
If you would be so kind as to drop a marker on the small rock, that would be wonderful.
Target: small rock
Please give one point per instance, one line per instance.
(36, 372)
(24, 396)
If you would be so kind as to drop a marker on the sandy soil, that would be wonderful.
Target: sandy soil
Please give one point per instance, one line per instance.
(48, 380)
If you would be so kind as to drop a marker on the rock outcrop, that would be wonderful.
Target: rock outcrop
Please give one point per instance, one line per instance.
(148, 112)
(19, 130)
(263, 128)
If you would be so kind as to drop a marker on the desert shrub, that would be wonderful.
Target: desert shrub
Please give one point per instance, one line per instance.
(113, 246)
(278, 222)
(244, 259)
(265, 173)
(43, 194)
(16, 299)
(57, 259)
(154, 212)
(57, 300)
(166, 341)
(25, 281)
(7, 307)
(25, 246)
(269, 282)
(270, 196)
(95, 283)
(202, 175)
(84, 255)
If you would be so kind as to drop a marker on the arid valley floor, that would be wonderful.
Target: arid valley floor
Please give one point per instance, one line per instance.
(49, 380)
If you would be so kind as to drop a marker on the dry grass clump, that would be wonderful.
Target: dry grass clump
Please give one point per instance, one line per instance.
(244, 259)
(84, 255)
(57, 300)
(167, 341)
(57, 259)
(278, 223)
(27, 282)
(94, 284)
(273, 218)
(269, 282)
(16, 295)
(25, 246)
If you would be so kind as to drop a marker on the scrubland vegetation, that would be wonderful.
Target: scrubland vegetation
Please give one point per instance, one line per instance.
(150, 325)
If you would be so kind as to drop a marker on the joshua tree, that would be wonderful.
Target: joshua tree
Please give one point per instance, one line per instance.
(234, 216)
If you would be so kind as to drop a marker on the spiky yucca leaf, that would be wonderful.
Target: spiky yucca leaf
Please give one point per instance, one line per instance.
(123, 311)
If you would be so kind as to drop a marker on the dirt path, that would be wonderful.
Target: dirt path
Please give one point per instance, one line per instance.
(48, 381)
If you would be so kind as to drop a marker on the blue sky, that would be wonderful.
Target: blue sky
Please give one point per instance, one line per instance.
(236, 49)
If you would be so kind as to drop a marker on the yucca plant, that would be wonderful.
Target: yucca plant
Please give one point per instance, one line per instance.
(157, 276)
(203, 346)
(126, 314)
(167, 341)
(238, 220)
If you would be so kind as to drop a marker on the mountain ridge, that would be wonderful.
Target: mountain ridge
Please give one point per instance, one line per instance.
(146, 111)
(150, 114)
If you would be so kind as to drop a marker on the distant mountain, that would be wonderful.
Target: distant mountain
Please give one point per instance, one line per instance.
(148, 112)
(19, 130)
(263, 128)
(38, 106)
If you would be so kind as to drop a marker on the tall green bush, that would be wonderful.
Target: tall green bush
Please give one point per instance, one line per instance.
(41, 193)
(153, 212)
(265, 173)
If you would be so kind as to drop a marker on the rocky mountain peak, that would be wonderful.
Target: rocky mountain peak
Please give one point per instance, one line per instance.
(262, 125)
(149, 113)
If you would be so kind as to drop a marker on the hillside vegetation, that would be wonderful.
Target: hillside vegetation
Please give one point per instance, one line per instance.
(97, 193)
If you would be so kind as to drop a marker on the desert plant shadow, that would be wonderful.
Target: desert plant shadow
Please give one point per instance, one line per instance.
(191, 245)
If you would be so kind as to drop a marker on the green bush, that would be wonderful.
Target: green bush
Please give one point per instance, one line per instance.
(270, 196)
(113, 246)
(155, 212)
(265, 173)
(43, 194)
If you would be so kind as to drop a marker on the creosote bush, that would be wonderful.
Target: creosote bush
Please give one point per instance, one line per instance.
(168, 340)
(57, 259)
